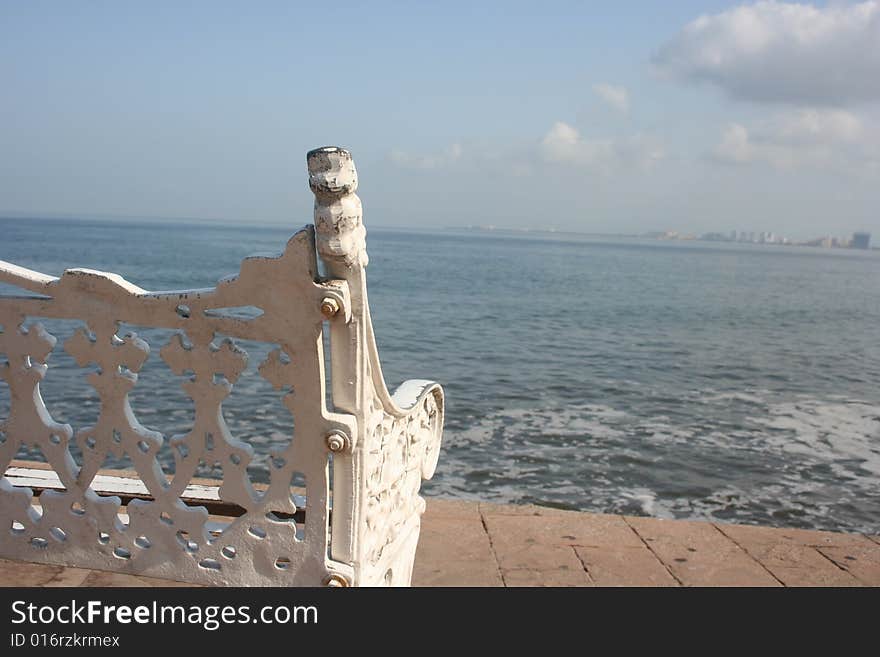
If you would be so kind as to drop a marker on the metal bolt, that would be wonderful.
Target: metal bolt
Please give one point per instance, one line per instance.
(329, 307)
(337, 441)
(336, 581)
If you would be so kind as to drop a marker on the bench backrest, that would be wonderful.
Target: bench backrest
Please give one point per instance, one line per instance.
(363, 452)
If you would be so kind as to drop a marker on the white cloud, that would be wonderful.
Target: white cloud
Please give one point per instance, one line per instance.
(826, 138)
(563, 144)
(616, 97)
(448, 156)
(783, 52)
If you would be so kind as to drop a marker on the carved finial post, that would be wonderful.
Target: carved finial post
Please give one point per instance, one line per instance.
(340, 233)
(341, 242)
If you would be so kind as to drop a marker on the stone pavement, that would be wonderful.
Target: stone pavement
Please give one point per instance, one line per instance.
(477, 544)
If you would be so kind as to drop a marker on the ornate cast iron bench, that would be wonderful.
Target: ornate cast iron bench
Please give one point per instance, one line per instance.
(363, 455)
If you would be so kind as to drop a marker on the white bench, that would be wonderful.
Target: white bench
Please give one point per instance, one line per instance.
(363, 454)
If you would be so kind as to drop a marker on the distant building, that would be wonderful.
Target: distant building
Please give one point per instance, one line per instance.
(861, 241)
(823, 242)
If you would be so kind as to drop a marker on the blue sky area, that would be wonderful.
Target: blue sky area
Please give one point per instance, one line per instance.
(611, 117)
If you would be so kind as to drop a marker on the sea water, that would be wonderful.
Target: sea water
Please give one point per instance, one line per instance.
(687, 380)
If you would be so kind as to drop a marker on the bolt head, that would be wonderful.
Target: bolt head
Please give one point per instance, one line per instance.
(329, 307)
(336, 442)
(336, 581)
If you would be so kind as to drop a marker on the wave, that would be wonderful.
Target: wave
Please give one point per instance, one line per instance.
(803, 461)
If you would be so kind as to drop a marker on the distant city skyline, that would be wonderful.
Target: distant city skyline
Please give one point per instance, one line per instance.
(858, 240)
(703, 115)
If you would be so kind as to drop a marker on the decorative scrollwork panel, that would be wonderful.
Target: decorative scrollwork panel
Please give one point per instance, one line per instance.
(273, 540)
(361, 451)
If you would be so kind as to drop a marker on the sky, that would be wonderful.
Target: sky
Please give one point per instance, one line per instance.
(616, 117)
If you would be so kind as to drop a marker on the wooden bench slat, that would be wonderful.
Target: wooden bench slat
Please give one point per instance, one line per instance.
(125, 484)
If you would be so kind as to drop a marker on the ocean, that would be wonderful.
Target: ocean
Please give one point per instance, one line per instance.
(673, 379)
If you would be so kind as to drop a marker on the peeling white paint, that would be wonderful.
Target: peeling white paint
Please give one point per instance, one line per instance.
(391, 444)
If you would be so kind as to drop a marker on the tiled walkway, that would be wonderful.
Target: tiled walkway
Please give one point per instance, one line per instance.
(474, 544)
